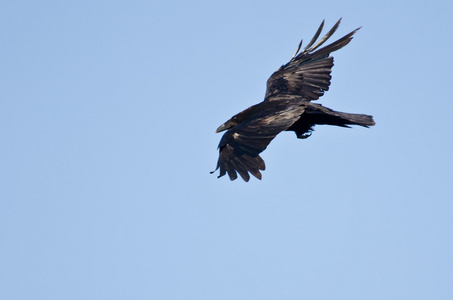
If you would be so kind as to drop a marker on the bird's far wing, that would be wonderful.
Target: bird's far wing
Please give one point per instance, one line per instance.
(307, 74)
(240, 146)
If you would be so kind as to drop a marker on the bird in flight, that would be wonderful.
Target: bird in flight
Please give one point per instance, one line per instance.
(287, 106)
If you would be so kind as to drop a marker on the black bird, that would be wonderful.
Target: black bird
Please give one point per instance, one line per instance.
(287, 106)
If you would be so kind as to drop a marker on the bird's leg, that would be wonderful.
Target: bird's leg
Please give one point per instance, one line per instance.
(303, 135)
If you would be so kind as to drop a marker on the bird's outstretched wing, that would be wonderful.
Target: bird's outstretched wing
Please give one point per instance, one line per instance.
(307, 74)
(240, 146)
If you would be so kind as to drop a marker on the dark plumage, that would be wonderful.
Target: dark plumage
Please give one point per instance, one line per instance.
(287, 106)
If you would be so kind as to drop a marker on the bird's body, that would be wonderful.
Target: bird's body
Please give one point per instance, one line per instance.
(287, 106)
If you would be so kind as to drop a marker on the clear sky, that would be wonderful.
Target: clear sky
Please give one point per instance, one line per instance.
(107, 118)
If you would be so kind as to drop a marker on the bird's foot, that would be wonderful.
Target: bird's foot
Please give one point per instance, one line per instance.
(304, 135)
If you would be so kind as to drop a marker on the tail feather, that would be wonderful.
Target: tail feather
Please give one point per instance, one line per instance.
(353, 119)
(316, 114)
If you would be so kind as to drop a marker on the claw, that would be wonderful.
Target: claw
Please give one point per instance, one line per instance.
(304, 135)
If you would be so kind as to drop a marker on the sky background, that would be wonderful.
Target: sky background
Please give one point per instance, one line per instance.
(107, 118)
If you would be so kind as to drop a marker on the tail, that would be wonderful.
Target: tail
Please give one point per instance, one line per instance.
(316, 114)
(345, 119)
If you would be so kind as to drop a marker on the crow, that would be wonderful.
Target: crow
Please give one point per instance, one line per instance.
(287, 106)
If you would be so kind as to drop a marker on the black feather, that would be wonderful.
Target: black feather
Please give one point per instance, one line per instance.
(287, 106)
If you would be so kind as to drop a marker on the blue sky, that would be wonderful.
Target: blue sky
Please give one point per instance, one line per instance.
(107, 118)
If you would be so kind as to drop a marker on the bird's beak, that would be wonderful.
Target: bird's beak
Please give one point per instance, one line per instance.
(221, 128)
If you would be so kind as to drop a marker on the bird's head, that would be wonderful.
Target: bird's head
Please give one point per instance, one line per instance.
(227, 125)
